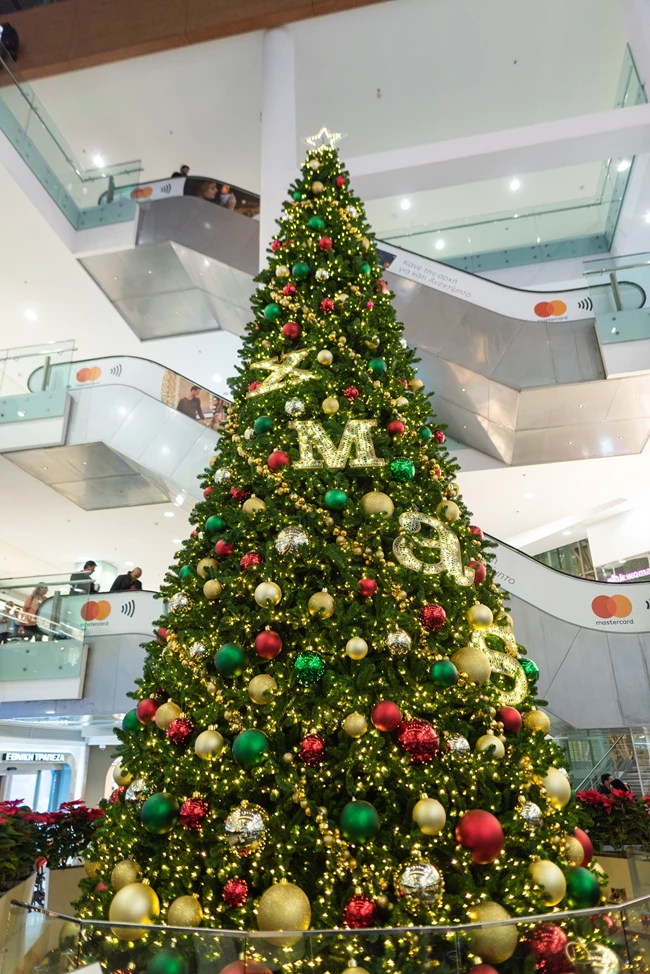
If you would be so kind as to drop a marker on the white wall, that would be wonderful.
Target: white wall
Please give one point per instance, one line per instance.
(620, 537)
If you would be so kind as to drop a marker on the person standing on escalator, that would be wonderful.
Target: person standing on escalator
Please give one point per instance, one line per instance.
(191, 405)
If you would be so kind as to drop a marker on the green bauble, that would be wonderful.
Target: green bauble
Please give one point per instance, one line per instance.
(167, 961)
(250, 748)
(365, 268)
(402, 470)
(215, 524)
(272, 312)
(131, 722)
(187, 571)
(309, 668)
(530, 668)
(425, 433)
(229, 660)
(359, 822)
(377, 366)
(316, 223)
(300, 270)
(582, 888)
(297, 196)
(336, 500)
(444, 673)
(159, 813)
(262, 424)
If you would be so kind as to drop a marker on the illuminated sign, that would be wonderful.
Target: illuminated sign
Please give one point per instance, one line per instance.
(32, 756)
(639, 573)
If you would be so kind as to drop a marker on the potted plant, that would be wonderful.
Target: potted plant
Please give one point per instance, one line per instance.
(19, 851)
(65, 836)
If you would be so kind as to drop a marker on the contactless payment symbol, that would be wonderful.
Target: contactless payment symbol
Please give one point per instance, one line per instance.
(611, 606)
(95, 611)
(550, 309)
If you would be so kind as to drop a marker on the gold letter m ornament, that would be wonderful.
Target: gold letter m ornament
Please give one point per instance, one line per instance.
(311, 435)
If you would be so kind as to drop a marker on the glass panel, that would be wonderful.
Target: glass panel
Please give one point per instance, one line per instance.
(34, 381)
(619, 288)
(22, 787)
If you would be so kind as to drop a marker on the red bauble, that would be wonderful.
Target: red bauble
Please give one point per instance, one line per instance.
(433, 617)
(268, 644)
(396, 428)
(289, 289)
(276, 245)
(351, 393)
(480, 571)
(325, 243)
(473, 529)
(481, 832)
(367, 586)
(312, 750)
(254, 385)
(381, 286)
(585, 842)
(223, 548)
(195, 533)
(146, 710)
(340, 181)
(291, 330)
(179, 731)
(547, 943)
(192, 812)
(101, 887)
(277, 460)
(386, 716)
(360, 912)
(245, 966)
(117, 793)
(161, 632)
(240, 494)
(327, 305)
(250, 559)
(207, 492)
(484, 969)
(370, 305)
(419, 739)
(510, 718)
(235, 893)
(440, 436)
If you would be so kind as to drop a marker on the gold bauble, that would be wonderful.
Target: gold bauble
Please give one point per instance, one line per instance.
(365, 243)
(166, 713)
(453, 490)
(208, 745)
(490, 740)
(557, 786)
(416, 384)
(429, 816)
(551, 878)
(325, 357)
(184, 911)
(356, 648)
(204, 564)
(135, 903)
(473, 663)
(574, 851)
(321, 604)
(212, 588)
(213, 460)
(283, 907)
(125, 873)
(91, 869)
(121, 776)
(479, 616)
(448, 511)
(268, 594)
(330, 406)
(355, 725)
(253, 504)
(282, 270)
(69, 935)
(261, 688)
(537, 720)
(494, 945)
(375, 502)
(316, 188)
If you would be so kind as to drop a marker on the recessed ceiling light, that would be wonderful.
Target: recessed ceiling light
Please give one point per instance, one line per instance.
(406, 204)
(98, 160)
(169, 513)
(31, 315)
(528, 496)
(647, 218)
(216, 377)
(50, 711)
(440, 244)
(624, 165)
(179, 500)
(567, 533)
(514, 184)
(129, 563)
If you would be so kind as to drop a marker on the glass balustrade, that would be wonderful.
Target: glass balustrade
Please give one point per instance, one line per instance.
(619, 288)
(20, 400)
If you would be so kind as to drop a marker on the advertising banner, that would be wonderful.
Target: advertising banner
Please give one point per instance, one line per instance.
(104, 613)
(203, 187)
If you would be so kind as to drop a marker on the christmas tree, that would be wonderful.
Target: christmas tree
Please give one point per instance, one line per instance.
(335, 726)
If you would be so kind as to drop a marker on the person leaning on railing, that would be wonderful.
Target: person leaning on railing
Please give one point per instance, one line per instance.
(31, 606)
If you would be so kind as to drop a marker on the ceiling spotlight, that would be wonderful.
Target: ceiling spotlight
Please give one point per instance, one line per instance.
(514, 184)
(129, 563)
(216, 377)
(179, 500)
(169, 513)
(406, 204)
(98, 160)
(31, 315)
(623, 165)
(567, 533)
(647, 218)
(440, 244)
(528, 497)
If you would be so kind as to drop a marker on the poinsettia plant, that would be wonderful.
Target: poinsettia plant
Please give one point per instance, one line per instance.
(19, 843)
(67, 832)
(618, 819)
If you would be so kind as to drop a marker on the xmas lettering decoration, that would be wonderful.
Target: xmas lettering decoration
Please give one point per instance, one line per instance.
(445, 541)
(505, 664)
(283, 373)
(312, 436)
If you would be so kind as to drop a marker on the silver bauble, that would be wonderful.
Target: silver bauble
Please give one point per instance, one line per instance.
(352, 210)
(458, 744)
(291, 539)
(197, 649)
(179, 601)
(294, 407)
(398, 641)
(532, 814)
(403, 342)
(136, 790)
(321, 274)
(419, 881)
(222, 474)
(249, 433)
(245, 825)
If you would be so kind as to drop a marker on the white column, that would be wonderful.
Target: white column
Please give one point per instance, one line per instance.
(278, 155)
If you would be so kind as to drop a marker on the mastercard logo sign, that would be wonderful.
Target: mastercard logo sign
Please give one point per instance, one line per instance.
(89, 375)
(95, 611)
(141, 192)
(611, 606)
(550, 309)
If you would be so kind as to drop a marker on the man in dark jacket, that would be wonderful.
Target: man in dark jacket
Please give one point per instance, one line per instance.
(130, 582)
(191, 405)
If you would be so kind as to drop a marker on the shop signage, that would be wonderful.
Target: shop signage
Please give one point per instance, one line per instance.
(33, 756)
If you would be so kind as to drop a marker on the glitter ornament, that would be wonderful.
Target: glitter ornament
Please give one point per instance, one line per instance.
(530, 668)
(360, 912)
(402, 470)
(197, 649)
(419, 739)
(327, 305)
(250, 560)
(125, 873)
(179, 602)
(249, 433)
(283, 906)
(291, 539)
(184, 911)
(222, 474)
(212, 588)
(321, 274)
(277, 460)
(192, 813)
(420, 882)
(268, 594)
(356, 648)
(235, 893)
(398, 642)
(268, 644)
(311, 750)
(309, 667)
(375, 502)
(209, 745)
(538, 721)
(116, 795)
(289, 289)
(532, 814)
(294, 407)
(352, 210)
(359, 822)
(457, 744)
(321, 605)
(166, 713)
(547, 944)
(240, 494)
(325, 357)
(245, 825)
(179, 731)
(429, 816)
(291, 330)
(493, 944)
(386, 716)
(355, 725)
(481, 833)
(351, 393)
(432, 617)
(472, 663)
